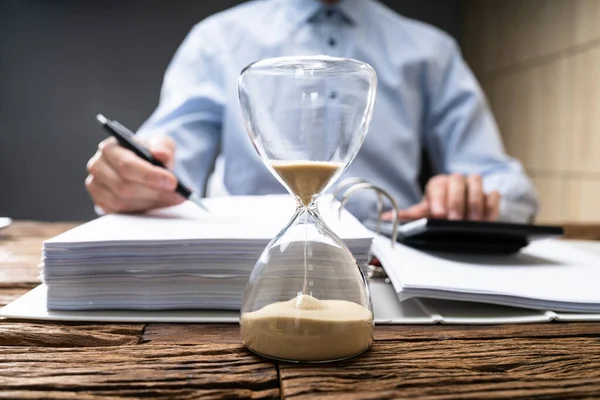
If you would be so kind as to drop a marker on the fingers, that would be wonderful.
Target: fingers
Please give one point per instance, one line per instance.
(165, 143)
(456, 198)
(115, 202)
(101, 195)
(132, 168)
(436, 194)
(492, 206)
(457, 187)
(120, 181)
(464, 196)
(387, 216)
(129, 191)
(103, 173)
(418, 211)
(163, 149)
(475, 198)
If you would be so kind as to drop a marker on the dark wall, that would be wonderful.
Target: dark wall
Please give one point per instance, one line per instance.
(64, 61)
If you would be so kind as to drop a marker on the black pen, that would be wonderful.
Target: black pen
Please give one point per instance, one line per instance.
(125, 138)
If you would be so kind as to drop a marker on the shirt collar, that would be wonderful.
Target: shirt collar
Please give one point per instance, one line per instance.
(351, 10)
(301, 12)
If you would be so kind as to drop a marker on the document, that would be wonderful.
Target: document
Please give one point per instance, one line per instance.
(180, 257)
(547, 275)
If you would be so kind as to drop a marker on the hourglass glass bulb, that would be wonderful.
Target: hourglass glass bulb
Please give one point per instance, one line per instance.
(306, 299)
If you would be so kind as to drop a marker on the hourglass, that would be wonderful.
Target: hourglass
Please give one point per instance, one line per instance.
(306, 299)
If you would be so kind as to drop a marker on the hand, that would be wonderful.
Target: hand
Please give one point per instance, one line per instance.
(453, 197)
(121, 182)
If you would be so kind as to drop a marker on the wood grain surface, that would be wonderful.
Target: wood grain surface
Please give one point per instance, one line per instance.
(457, 369)
(7, 295)
(20, 251)
(138, 371)
(191, 361)
(191, 333)
(50, 334)
(582, 231)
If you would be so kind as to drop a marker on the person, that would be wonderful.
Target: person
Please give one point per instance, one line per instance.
(427, 98)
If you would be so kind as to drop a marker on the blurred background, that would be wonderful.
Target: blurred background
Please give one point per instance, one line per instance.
(539, 64)
(64, 61)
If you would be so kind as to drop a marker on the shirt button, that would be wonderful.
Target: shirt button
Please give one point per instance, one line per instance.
(332, 42)
(329, 13)
(333, 95)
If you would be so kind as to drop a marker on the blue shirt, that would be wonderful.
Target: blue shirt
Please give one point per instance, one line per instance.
(427, 98)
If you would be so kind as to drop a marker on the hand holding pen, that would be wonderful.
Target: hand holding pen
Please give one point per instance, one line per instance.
(126, 177)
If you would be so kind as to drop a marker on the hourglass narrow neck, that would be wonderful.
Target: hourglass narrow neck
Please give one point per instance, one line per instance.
(310, 207)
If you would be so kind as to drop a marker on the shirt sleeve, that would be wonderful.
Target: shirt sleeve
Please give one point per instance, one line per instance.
(462, 137)
(191, 106)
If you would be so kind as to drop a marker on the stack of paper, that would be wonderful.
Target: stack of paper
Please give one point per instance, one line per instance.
(176, 258)
(546, 275)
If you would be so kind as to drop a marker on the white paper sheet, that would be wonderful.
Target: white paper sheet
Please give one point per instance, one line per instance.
(32, 305)
(386, 308)
(547, 275)
(245, 218)
(182, 256)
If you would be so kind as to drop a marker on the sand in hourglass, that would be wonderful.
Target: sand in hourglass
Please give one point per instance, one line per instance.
(307, 329)
(305, 178)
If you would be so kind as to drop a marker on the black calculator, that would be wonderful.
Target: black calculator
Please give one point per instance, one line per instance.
(468, 237)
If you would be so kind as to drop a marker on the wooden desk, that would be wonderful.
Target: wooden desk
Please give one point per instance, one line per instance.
(88, 361)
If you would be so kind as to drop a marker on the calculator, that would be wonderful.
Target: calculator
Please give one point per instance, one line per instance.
(470, 237)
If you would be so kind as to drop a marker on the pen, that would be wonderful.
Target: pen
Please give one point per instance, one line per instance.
(125, 138)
